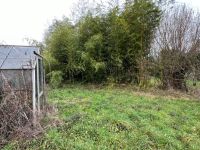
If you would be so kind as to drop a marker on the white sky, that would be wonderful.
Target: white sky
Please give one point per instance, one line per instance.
(29, 18)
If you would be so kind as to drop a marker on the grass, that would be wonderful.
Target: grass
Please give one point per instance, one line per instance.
(118, 118)
(190, 83)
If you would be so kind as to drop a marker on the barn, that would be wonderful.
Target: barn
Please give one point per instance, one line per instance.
(21, 68)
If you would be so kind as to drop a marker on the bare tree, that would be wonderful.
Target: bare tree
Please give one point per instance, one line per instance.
(178, 42)
(81, 8)
(95, 7)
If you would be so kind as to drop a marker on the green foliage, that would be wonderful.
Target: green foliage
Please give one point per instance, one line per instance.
(142, 17)
(56, 79)
(103, 45)
(118, 118)
(61, 44)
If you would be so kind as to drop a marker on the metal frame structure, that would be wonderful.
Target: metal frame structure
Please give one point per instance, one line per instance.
(35, 66)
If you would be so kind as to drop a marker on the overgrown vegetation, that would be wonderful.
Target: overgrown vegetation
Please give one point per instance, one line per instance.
(16, 115)
(178, 46)
(119, 118)
(104, 45)
(135, 43)
(126, 43)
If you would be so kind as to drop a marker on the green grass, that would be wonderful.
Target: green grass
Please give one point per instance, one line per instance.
(114, 118)
(190, 84)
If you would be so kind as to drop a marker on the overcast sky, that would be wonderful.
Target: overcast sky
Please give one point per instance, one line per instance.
(29, 18)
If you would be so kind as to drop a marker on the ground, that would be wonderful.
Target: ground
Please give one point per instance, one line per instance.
(91, 117)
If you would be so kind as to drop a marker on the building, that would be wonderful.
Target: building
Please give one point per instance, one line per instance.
(21, 67)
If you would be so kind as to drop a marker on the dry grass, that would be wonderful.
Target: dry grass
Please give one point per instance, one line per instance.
(16, 118)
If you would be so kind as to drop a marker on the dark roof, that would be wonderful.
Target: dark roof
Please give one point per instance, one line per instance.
(18, 57)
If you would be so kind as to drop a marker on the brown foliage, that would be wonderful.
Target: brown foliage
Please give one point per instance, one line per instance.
(177, 44)
(16, 117)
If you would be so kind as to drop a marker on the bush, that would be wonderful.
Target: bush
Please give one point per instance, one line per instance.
(56, 79)
(15, 115)
(104, 44)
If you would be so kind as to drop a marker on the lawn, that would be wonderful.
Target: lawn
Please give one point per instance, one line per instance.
(119, 118)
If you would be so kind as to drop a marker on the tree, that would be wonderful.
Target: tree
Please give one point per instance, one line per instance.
(178, 42)
(61, 46)
(111, 44)
(142, 16)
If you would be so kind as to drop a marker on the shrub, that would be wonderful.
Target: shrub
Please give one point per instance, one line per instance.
(56, 79)
(16, 118)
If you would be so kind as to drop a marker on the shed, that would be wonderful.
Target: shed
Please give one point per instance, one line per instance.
(22, 67)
